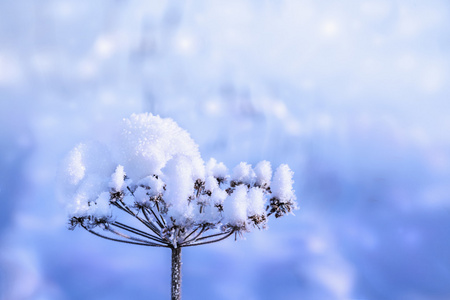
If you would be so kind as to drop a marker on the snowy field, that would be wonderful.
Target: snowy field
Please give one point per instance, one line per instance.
(353, 95)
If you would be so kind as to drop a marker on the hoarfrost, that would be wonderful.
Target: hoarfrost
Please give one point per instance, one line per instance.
(235, 210)
(256, 202)
(152, 170)
(282, 183)
(218, 170)
(178, 176)
(117, 179)
(155, 185)
(148, 142)
(263, 171)
(211, 184)
(243, 173)
(101, 206)
(141, 196)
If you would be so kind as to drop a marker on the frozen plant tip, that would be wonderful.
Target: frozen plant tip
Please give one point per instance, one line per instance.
(152, 172)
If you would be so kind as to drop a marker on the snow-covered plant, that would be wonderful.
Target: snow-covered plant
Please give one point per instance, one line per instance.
(152, 171)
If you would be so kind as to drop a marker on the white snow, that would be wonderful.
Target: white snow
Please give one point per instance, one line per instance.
(140, 195)
(179, 178)
(235, 207)
(155, 185)
(84, 175)
(85, 196)
(218, 196)
(218, 170)
(86, 158)
(140, 150)
(244, 173)
(256, 202)
(118, 179)
(75, 167)
(211, 183)
(100, 207)
(282, 183)
(152, 156)
(147, 142)
(263, 171)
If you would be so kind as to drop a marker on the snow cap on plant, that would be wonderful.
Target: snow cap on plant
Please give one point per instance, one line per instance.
(152, 171)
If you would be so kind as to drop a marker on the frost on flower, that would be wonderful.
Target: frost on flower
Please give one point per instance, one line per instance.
(256, 207)
(179, 181)
(235, 211)
(146, 143)
(283, 197)
(243, 173)
(117, 179)
(152, 171)
(263, 172)
(217, 170)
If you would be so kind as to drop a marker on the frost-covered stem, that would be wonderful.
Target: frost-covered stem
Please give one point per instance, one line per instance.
(176, 273)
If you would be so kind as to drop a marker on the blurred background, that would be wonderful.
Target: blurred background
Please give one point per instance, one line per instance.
(353, 95)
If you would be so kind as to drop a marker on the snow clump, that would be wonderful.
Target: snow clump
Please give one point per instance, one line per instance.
(152, 170)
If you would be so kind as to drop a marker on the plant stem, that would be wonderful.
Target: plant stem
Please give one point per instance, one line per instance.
(176, 273)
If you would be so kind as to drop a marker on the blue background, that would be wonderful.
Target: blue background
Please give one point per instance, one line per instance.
(353, 95)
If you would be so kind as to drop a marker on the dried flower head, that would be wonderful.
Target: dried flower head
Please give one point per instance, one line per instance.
(153, 172)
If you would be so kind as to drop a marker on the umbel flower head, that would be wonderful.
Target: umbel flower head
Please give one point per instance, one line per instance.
(152, 171)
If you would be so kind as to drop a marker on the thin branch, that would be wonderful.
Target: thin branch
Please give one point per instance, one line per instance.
(207, 237)
(144, 210)
(162, 218)
(193, 231)
(123, 208)
(157, 219)
(126, 208)
(134, 229)
(204, 238)
(127, 236)
(212, 235)
(151, 226)
(129, 230)
(210, 242)
(149, 223)
(196, 236)
(122, 241)
(138, 232)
